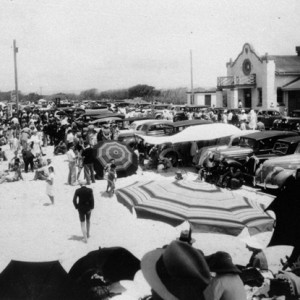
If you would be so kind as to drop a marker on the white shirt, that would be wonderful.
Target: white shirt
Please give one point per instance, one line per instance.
(71, 155)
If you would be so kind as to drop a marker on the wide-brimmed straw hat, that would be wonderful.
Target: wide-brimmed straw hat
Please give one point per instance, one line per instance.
(221, 263)
(178, 271)
(252, 242)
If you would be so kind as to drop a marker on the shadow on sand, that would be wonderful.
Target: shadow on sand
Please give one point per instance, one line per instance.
(75, 238)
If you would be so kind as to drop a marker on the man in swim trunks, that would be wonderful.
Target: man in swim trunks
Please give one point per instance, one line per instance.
(84, 205)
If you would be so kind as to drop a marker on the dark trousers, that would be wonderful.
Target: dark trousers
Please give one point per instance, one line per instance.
(27, 162)
(89, 173)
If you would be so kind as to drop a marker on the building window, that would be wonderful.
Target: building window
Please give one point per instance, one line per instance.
(192, 99)
(259, 97)
(279, 96)
(207, 100)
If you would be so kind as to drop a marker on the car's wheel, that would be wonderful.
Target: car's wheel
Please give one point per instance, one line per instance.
(173, 158)
(158, 117)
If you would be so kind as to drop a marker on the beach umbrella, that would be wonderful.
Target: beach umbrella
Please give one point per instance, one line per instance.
(36, 280)
(113, 263)
(207, 207)
(126, 160)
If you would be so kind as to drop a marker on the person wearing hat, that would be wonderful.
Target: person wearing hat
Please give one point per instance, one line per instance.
(186, 236)
(176, 272)
(84, 205)
(258, 258)
(227, 284)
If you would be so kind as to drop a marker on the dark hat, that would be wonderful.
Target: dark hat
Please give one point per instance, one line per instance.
(221, 262)
(186, 236)
(178, 271)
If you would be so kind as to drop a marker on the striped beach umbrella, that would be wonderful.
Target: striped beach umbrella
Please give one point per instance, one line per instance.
(207, 207)
(125, 159)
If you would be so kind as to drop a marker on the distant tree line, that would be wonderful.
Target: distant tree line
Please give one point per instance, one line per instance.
(146, 92)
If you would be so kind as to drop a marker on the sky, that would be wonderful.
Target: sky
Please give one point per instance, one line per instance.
(74, 45)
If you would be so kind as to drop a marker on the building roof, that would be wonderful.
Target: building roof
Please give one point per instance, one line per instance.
(292, 86)
(286, 64)
(200, 90)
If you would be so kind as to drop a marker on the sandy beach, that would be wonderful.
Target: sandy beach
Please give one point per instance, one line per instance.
(33, 230)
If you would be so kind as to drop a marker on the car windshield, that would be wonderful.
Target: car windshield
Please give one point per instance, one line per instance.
(280, 148)
(295, 114)
(246, 142)
(168, 130)
(132, 126)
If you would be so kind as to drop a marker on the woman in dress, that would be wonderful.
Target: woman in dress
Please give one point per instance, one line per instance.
(50, 184)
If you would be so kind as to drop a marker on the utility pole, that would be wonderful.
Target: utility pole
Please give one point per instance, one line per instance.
(192, 88)
(16, 75)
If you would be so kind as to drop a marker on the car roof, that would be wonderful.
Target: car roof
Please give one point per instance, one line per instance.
(190, 122)
(291, 139)
(140, 122)
(106, 120)
(154, 122)
(269, 134)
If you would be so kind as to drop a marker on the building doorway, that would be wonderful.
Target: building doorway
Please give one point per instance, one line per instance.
(247, 97)
(294, 100)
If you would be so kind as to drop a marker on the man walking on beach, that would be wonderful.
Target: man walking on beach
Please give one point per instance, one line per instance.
(84, 205)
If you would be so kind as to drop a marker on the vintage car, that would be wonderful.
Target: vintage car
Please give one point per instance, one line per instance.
(177, 147)
(274, 173)
(268, 116)
(289, 123)
(143, 127)
(85, 119)
(157, 110)
(224, 143)
(259, 143)
(179, 116)
(169, 128)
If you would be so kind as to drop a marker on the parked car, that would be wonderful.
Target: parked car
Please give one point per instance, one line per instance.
(177, 147)
(274, 173)
(224, 143)
(268, 116)
(289, 123)
(85, 119)
(259, 143)
(157, 110)
(144, 127)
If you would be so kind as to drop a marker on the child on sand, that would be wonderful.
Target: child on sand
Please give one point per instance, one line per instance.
(50, 184)
(111, 179)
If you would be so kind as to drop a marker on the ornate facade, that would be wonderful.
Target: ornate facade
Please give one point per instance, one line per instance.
(261, 82)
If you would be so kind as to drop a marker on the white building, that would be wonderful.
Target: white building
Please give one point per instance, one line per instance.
(261, 82)
(203, 97)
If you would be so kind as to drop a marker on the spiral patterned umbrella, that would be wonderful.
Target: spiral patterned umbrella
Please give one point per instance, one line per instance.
(125, 159)
(207, 207)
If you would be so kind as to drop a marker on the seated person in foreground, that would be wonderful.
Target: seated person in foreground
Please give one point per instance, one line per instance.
(258, 258)
(177, 271)
(227, 284)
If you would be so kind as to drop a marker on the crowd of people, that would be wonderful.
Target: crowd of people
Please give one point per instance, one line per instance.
(175, 271)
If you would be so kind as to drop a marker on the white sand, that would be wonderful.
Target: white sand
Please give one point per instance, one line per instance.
(32, 230)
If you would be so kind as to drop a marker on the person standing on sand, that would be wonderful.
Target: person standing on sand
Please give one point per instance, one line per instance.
(84, 205)
(72, 165)
(50, 184)
(111, 179)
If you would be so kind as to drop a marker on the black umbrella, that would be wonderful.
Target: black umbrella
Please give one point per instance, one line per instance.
(36, 280)
(286, 207)
(114, 264)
